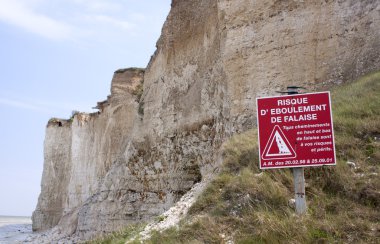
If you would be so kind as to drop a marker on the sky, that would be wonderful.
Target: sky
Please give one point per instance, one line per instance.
(57, 56)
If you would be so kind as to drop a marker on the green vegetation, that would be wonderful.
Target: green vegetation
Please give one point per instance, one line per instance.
(54, 120)
(247, 205)
(119, 237)
(160, 218)
(73, 114)
(132, 69)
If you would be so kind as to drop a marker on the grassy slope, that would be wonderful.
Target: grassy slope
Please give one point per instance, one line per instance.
(247, 205)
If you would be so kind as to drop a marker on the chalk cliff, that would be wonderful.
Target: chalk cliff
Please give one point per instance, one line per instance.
(159, 131)
(79, 152)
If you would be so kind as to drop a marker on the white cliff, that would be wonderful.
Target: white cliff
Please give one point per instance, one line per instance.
(159, 132)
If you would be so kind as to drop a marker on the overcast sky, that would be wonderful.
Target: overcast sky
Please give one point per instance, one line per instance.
(57, 56)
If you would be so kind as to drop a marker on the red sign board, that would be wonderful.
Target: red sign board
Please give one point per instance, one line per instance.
(295, 131)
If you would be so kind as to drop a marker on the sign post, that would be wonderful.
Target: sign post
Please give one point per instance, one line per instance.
(298, 177)
(299, 189)
(296, 131)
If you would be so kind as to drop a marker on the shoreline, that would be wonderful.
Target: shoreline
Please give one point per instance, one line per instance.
(15, 229)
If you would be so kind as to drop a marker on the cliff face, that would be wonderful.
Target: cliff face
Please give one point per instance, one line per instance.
(79, 152)
(145, 149)
(215, 57)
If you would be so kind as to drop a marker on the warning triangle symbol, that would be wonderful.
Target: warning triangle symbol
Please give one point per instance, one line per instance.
(278, 146)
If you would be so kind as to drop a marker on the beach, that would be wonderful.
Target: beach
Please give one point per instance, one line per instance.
(14, 229)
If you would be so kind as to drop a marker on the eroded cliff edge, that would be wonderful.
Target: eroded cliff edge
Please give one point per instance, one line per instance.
(147, 147)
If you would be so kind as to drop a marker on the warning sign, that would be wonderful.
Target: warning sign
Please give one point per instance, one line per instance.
(278, 146)
(295, 131)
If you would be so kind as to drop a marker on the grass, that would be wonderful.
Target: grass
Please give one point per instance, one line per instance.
(132, 69)
(119, 237)
(246, 205)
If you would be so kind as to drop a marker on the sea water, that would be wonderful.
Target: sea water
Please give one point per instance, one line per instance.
(14, 229)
